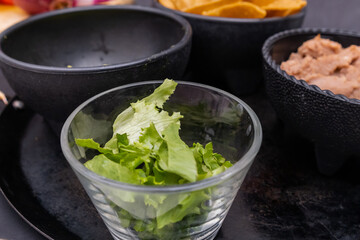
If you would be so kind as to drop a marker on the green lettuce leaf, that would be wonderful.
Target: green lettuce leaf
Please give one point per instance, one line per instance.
(109, 169)
(145, 112)
(151, 138)
(175, 156)
(189, 205)
(158, 98)
(208, 163)
(90, 143)
(144, 115)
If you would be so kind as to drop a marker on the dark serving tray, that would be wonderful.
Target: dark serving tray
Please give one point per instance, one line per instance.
(283, 196)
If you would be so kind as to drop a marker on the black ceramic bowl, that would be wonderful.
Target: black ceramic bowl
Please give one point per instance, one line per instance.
(57, 60)
(226, 52)
(330, 121)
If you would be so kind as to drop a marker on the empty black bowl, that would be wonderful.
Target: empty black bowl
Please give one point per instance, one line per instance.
(330, 121)
(57, 60)
(226, 52)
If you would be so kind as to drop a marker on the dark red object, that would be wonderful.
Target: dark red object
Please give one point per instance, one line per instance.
(10, 2)
(33, 6)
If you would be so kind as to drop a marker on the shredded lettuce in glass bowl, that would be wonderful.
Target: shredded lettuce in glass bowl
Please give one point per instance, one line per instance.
(162, 160)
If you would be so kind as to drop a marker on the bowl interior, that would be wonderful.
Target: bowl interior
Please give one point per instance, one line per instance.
(209, 115)
(93, 37)
(281, 49)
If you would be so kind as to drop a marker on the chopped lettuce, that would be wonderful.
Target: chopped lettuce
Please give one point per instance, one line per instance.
(175, 156)
(146, 149)
(105, 167)
(140, 114)
(190, 205)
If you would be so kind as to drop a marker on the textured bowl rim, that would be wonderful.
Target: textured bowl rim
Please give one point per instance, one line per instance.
(241, 164)
(269, 43)
(230, 20)
(186, 38)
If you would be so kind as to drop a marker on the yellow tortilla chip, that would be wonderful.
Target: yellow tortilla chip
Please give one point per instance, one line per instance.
(281, 13)
(280, 8)
(285, 5)
(292, 11)
(185, 4)
(168, 4)
(210, 6)
(237, 10)
(260, 3)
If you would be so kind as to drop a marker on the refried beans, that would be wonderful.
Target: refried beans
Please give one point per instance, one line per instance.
(328, 65)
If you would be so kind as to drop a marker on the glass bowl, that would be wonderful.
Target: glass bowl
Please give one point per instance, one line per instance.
(186, 211)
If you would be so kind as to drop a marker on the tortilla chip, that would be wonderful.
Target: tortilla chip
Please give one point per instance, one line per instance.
(168, 4)
(285, 5)
(210, 6)
(237, 10)
(281, 13)
(260, 3)
(185, 4)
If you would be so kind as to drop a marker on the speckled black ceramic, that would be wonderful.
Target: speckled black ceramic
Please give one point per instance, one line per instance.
(330, 121)
(226, 52)
(55, 61)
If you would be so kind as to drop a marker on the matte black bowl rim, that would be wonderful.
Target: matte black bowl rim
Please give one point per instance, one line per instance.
(300, 14)
(113, 67)
(268, 45)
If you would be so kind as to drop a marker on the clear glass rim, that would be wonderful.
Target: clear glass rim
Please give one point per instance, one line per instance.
(242, 163)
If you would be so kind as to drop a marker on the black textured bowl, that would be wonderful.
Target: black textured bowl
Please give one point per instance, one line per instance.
(226, 52)
(330, 121)
(57, 60)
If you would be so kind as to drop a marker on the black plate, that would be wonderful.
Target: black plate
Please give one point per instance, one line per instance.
(282, 197)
